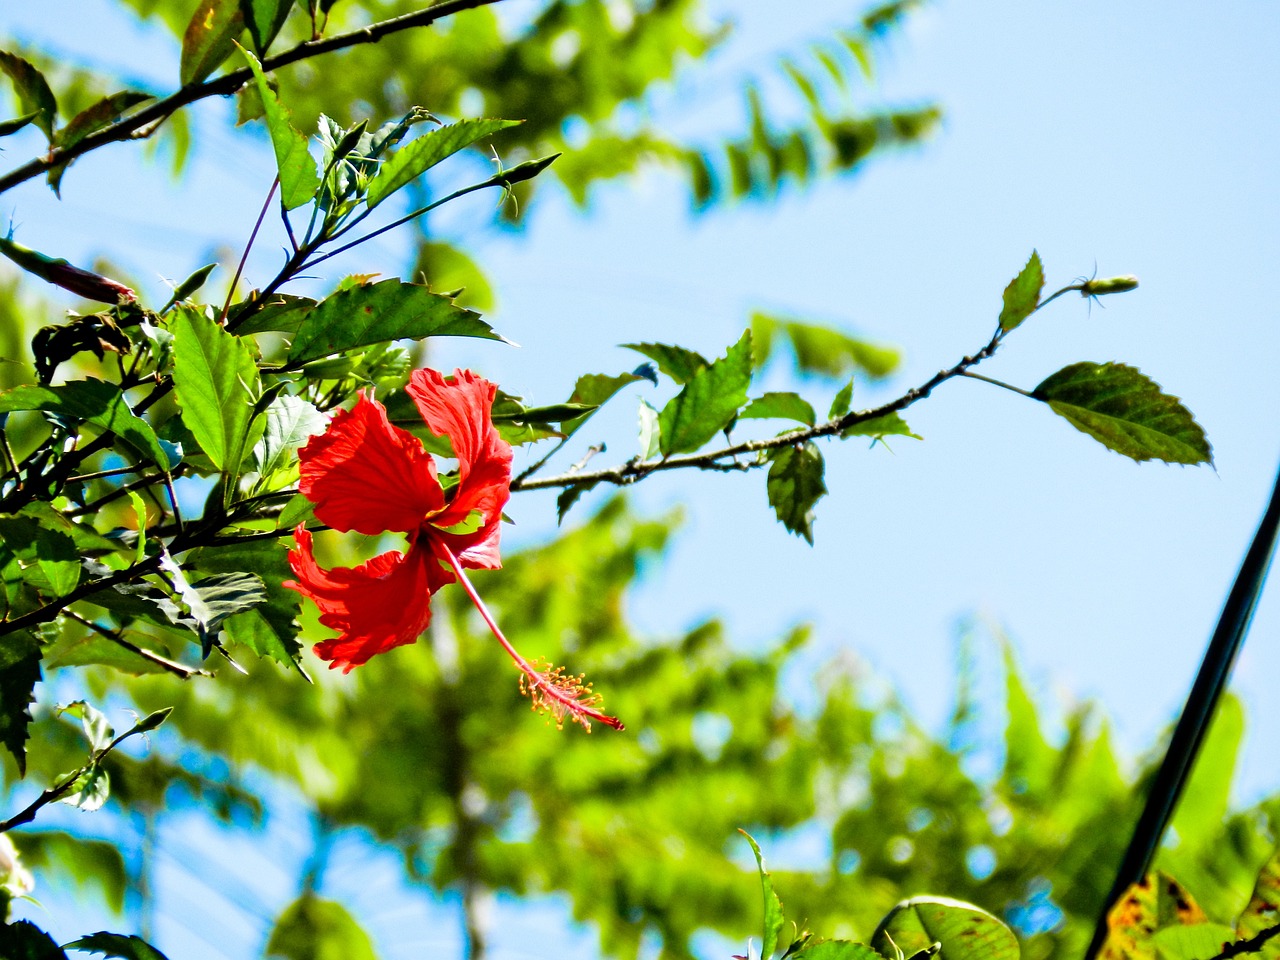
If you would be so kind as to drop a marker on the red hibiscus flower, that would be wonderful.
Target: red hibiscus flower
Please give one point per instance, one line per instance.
(366, 475)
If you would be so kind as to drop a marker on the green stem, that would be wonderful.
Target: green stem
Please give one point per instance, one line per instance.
(998, 383)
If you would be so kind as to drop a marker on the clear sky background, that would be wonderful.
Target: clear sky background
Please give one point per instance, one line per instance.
(1141, 137)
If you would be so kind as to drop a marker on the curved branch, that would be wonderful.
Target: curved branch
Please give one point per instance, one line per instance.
(140, 124)
(635, 470)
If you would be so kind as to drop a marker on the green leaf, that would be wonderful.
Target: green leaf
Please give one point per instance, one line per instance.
(821, 350)
(117, 945)
(568, 497)
(1022, 295)
(314, 929)
(795, 486)
(889, 425)
(1196, 942)
(90, 120)
(97, 729)
(33, 91)
(297, 510)
(217, 384)
(708, 402)
(780, 406)
(594, 390)
(378, 312)
(299, 176)
(23, 940)
(90, 791)
(1156, 902)
(93, 649)
(676, 362)
(48, 558)
(282, 313)
(553, 413)
(8, 127)
(1125, 412)
(209, 39)
(95, 402)
(1029, 759)
(842, 402)
(96, 865)
(290, 422)
(264, 18)
(1263, 909)
(835, 950)
(86, 539)
(416, 158)
(650, 432)
(19, 674)
(271, 628)
(966, 932)
(207, 602)
(1205, 800)
(773, 919)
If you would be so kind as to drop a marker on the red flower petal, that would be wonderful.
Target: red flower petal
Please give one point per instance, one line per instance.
(366, 475)
(460, 410)
(379, 605)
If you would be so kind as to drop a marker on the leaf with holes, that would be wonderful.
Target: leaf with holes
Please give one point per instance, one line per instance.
(1126, 412)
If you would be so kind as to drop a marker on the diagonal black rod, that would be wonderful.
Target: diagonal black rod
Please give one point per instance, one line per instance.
(1189, 734)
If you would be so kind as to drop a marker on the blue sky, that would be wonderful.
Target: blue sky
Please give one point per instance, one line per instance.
(1141, 137)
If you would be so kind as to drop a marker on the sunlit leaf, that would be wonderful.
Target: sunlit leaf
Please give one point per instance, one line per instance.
(783, 406)
(33, 91)
(314, 929)
(1022, 295)
(677, 363)
(966, 932)
(270, 628)
(773, 919)
(1197, 942)
(1156, 902)
(299, 176)
(417, 157)
(290, 422)
(209, 38)
(1125, 412)
(888, 425)
(97, 729)
(1263, 909)
(821, 350)
(90, 791)
(708, 401)
(49, 559)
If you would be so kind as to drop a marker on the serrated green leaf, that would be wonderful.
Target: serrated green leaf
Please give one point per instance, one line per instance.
(1022, 295)
(795, 485)
(209, 39)
(966, 932)
(117, 945)
(19, 673)
(417, 157)
(97, 728)
(568, 497)
(217, 384)
(310, 921)
(678, 363)
(271, 628)
(780, 406)
(47, 558)
(290, 422)
(379, 312)
(32, 90)
(889, 425)
(1126, 412)
(90, 791)
(594, 390)
(299, 175)
(95, 402)
(282, 313)
(650, 432)
(23, 940)
(773, 919)
(264, 18)
(708, 401)
(842, 402)
(821, 350)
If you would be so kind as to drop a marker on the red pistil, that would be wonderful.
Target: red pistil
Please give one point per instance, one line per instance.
(553, 691)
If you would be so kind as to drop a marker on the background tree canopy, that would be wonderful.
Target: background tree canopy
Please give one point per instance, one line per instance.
(426, 761)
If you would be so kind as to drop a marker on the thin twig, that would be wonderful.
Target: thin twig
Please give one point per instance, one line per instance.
(244, 257)
(1252, 945)
(227, 84)
(172, 666)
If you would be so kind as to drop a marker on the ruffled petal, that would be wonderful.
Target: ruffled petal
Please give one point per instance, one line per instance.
(460, 410)
(365, 474)
(376, 606)
(477, 550)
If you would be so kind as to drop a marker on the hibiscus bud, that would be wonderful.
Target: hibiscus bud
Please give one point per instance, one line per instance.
(82, 283)
(1108, 285)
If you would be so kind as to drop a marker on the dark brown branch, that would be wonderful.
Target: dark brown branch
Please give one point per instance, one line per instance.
(1251, 945)
(146, 120)
(635, 470)
(172, 666)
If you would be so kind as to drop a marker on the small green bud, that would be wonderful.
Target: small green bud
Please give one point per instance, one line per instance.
(1108, 285)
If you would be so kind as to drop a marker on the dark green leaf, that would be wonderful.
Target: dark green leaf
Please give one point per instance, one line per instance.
(48, 558)
(283, 313)
(85, 538)
(419, 156)
(889, 425)
(117, 945)
(708, 401)
(594, 390)
(378, 312)
(773, 919)
(1125, 412)
(966, 932)
(217, 385)
(297, 510)
(17, 123)
(19, 673)
(95, 402)
(270, 629)
(821, 350)
(32, 90)
(780, 406)
(676, 362)
(264, 18)
(23, 940)
(90, 120)
(795, 486)
(553, 413)
(290, 422)
(1022, 295)
(209, 39)
(842, 401)
(299, 176)
(93, 649)
(568, 497)
(310, 928)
